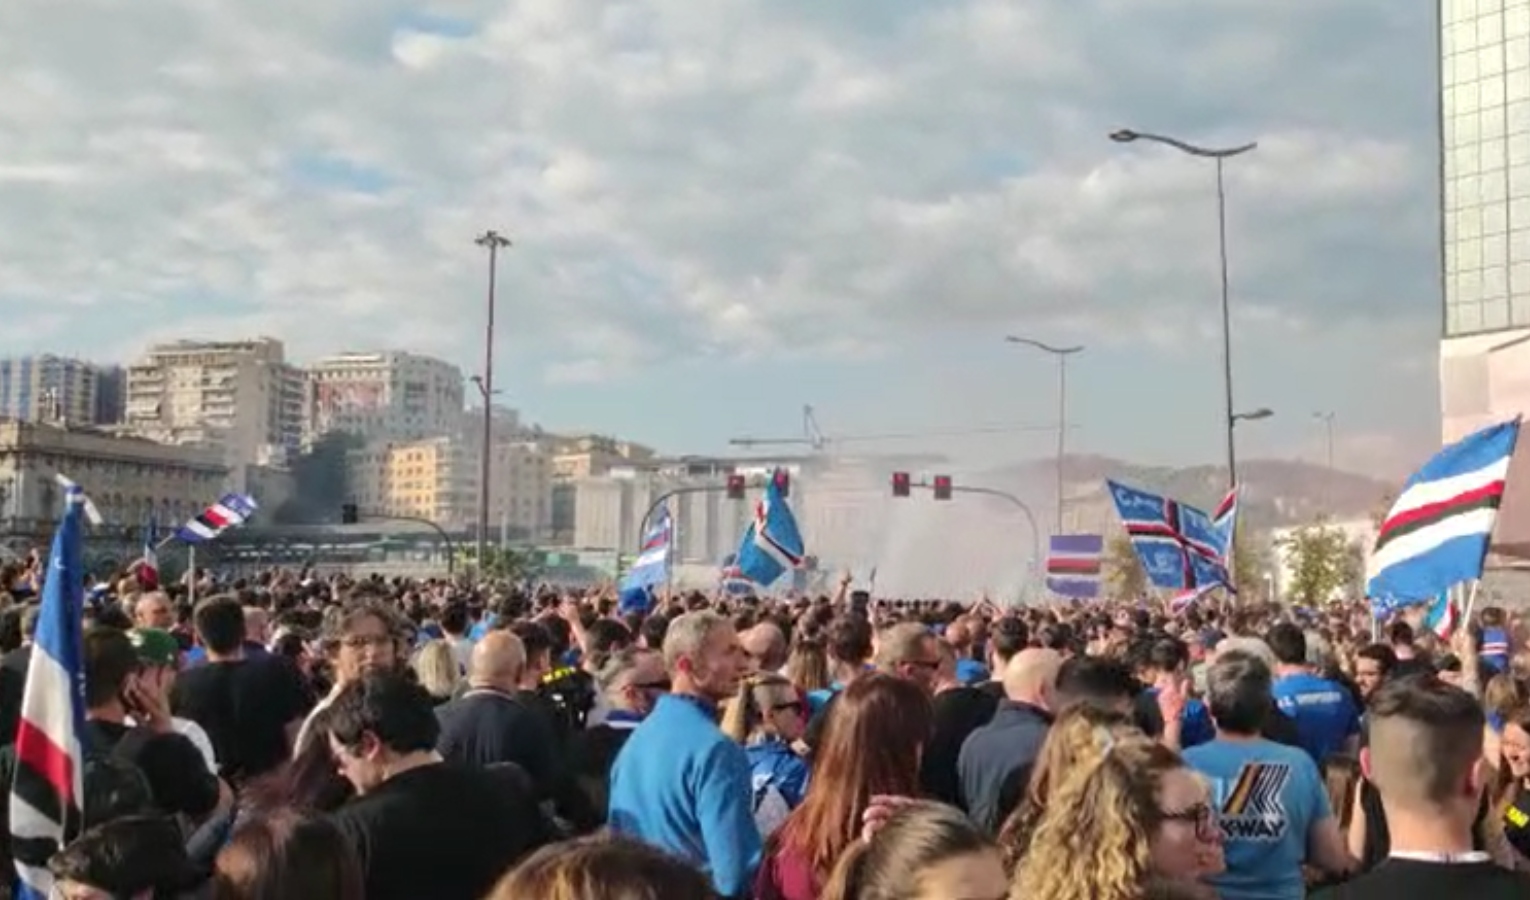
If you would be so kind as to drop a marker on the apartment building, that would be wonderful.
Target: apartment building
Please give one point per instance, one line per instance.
(383, 396)
(438, 478)
(49, 388)
(241, 397)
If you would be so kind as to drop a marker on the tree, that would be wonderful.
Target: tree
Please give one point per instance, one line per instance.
(1124, 576)
(1323, 563)
(320, 482)
(510, 564)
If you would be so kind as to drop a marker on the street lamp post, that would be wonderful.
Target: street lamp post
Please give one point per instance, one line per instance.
(1218, 155)
(494, 241)
(1062, 354)
(1327, 419)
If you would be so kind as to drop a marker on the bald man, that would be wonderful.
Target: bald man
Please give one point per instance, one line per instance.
(488, 725)
(764, 648)
(997, 759)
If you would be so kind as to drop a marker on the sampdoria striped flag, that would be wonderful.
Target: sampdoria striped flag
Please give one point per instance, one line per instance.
(1436, 534)
(652, 564)
(46, 795)
(1073, 565)
(229, 512)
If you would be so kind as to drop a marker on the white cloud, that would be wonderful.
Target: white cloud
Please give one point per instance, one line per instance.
(691, 178)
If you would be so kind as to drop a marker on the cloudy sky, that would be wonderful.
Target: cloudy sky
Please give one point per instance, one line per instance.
(725, 210)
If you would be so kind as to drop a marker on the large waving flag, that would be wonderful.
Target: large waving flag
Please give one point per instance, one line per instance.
(652, 564)
(1436, 534)
(1073, 565)
(46, 794)
(1181, 548)
(231, 511)
(772, 544)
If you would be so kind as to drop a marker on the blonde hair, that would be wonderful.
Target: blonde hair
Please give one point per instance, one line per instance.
(808, 665)
(437, 668)
(602, 867)
(1079, 736)
(1095, 840)
(746, 712)
(889, 866)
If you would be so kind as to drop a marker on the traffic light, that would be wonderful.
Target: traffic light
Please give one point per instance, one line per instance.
(783, 481)
(900, 484)
(348, 514)
(735, 487)
(942, 486)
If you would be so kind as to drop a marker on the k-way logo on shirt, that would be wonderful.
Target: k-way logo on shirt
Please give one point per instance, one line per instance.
(1253, 809)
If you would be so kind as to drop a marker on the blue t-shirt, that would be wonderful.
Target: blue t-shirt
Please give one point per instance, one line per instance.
(970, 671)
(1324, 712)
(1269, 797)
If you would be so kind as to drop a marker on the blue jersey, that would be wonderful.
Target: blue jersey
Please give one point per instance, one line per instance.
(1268, 798)
(1324, 712)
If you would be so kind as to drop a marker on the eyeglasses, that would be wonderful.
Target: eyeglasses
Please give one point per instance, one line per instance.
(928, 665)
(792, 705)
(658, 687)
(1207, 825)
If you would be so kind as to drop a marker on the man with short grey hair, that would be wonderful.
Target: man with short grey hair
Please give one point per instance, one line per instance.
(1269, 799)
(679, 783)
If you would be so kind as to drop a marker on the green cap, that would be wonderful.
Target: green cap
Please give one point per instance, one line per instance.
(156, 647)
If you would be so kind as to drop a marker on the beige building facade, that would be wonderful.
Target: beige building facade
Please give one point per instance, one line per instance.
(437, 479)
(128, 479)
(240, 397)
(387, 395)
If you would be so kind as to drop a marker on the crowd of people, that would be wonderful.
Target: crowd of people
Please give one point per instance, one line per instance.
(289, 736)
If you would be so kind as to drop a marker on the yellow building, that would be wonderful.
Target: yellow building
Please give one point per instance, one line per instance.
(437, 479)
(128, 479)
(591, 455)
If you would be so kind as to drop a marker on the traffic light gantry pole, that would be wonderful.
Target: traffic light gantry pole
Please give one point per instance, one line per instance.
(944, 486)
(349, 511)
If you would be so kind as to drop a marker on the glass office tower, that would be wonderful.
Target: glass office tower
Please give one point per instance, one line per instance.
(1485, 211)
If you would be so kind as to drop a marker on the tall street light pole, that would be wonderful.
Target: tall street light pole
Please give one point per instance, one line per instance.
(1327, 419)
(1062, 354)
(1218, 155)
(494, 241)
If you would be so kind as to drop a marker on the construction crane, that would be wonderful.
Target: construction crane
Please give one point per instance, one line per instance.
(814, 439)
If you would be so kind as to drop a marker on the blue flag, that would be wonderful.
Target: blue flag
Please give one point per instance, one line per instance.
(1437, 533)
(46, 798)
(1181, 547)
(772, 544)
(652, 564)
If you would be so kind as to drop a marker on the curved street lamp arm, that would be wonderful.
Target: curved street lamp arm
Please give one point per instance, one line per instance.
(1040, 345)
(1185, 146)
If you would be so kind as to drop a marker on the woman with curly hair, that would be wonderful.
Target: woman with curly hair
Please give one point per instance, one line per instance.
(1118, 825)
(1078, 736)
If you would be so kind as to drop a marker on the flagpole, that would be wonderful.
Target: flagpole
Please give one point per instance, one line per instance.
(1471, 601)
(191, 568)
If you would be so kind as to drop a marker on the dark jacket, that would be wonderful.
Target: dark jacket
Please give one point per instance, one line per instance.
(991, 756)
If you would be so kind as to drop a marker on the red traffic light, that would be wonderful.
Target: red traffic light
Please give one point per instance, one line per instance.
(735, 487)
(900, 484)
(942, 487)
(783, 481)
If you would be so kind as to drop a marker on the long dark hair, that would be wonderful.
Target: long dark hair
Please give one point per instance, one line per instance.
(308, 781)
(871, 745)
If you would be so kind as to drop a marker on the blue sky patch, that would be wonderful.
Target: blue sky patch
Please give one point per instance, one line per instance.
(325, 171)
(432, 23)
